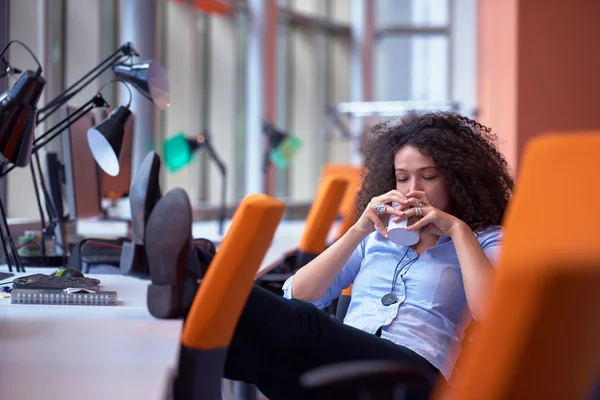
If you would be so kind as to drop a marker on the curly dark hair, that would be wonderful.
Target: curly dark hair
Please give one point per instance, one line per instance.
(464, 151)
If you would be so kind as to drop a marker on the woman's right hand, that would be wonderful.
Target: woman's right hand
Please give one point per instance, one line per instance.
(372, 219)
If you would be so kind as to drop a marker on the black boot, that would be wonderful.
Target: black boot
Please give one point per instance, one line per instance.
(143, 196)
(177, 264)
(168, 248)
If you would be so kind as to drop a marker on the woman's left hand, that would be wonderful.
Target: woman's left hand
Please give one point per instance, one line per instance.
(433, 221)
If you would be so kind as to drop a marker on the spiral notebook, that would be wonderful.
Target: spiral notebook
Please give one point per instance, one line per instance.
(49, 289)
(64, 297)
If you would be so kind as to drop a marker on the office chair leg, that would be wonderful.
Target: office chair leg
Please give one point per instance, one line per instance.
(199, 374)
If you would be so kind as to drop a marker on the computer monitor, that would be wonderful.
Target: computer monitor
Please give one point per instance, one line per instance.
(55, 182)
(81, 174)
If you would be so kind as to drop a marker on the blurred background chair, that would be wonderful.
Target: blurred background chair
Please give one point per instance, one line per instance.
(316, 236)
(323, 213)
(352, 174)
(221, 297)
(321, 217)
(343, 302)
(539, 340)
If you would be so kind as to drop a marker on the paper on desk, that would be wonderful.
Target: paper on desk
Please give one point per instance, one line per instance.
(78, 290)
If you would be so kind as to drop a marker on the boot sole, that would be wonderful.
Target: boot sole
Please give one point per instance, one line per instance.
(168, 246)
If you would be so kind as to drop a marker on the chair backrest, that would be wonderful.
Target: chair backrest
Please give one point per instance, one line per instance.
(541, 338)
(352, 174)
(343, 302)
(322, 214)
(227, 284)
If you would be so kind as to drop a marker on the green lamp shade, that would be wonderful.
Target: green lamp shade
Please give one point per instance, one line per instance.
(283, 154)
(177, 152)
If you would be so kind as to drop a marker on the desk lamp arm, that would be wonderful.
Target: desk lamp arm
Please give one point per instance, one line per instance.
(125, 51)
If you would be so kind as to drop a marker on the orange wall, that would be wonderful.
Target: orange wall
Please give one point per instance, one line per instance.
(497, 71)
(538, 68)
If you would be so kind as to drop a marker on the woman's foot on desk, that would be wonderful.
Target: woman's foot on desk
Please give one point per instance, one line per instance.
(144, 194)
(175, 261)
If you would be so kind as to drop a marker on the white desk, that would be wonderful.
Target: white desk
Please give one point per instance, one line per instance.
(118, 352)
(74, 352)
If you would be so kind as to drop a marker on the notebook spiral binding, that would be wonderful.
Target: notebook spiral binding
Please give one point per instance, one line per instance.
(30, 296)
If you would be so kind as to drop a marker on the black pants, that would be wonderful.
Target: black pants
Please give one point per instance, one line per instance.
(276, 340)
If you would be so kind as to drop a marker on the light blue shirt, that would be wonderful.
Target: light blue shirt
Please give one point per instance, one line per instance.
(428, 317)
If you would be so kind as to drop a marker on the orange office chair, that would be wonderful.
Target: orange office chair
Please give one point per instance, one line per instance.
(539, 340)
(343, 302)
(221, 297)
(352, 174)
(320, 218)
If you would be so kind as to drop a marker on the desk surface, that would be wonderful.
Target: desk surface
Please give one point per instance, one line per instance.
(74, 352)
(120, 352)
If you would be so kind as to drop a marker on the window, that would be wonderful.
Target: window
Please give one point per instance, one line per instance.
(311, 37)
(412, 50)
(420, 13)
(411, 67)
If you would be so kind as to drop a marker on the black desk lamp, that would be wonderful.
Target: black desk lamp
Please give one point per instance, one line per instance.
(18, 120)
(7, 69)
(106, 138)
(149, 78)
(109, 131)
(18, 108)
(178, 152)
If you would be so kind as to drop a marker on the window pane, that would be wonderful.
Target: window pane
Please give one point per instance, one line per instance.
(411, 67)
(315, 7)
(417, 12)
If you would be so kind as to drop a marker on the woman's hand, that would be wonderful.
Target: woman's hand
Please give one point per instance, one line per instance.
(378, 212)
(434, 221)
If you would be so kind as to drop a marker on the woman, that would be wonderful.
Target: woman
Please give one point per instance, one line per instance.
(407, 302)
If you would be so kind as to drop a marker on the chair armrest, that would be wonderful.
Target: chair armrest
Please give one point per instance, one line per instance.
(365, 376)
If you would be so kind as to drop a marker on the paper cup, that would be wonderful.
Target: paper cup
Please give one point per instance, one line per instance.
(398, 233)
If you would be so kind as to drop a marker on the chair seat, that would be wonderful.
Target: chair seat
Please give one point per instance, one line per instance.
(105, 256)
(101, 251)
